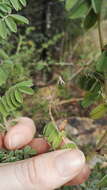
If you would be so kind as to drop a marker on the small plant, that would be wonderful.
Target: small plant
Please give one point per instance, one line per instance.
(13, 156)
(55, 137)
(12, 98)
(94, 78)
(9, 103)
(8, 19)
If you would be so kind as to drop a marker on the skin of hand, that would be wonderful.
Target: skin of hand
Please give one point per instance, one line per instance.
(46, 171)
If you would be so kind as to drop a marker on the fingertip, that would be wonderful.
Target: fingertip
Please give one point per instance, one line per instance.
(40, 145)
(21, 134)
(59, 166)
(81, 177)
(70, 162)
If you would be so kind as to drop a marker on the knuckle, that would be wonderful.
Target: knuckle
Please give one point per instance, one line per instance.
(26, 174)
(30, 175)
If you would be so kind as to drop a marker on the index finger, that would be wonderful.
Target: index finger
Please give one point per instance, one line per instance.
(21, 134)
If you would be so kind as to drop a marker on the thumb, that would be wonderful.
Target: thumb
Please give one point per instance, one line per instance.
(47, 171)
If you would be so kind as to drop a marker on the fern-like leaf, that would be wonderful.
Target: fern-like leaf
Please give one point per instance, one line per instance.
(8, 21)
(13, 98)
(55, 137)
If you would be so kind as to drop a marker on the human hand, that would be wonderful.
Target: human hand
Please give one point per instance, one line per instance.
(46, 171)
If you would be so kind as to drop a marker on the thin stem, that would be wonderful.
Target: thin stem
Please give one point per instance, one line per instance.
(19, 44)
(52, 118)
(53, 121)
(105, 83)
(100, 32)
(101, 47)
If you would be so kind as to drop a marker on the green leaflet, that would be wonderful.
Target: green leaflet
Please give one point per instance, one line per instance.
(53, 136)
(5, 8)
(23, 2)
(9, 101)
(11, 24)
(87, 82)
(3, 54)
(99, 111)
(3, 76)
(69, 4)
(15, 4)
(20, 18)
(103, 182)
(90, 19)
(28, 151)
(96, 4)
(69, 145)
(57, 140)
(96, 87)
(79, 10)
(90, 98)
(4, 102)
(26, 90)
(3, 29)
(8, 3)
(101, 65)
(18, 96)
(25, 83)
(13, 99)
(2, 108)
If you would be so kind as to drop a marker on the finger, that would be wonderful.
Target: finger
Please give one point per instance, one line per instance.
(21, 134)
(44, 172)
(40, 145)
(81, 177)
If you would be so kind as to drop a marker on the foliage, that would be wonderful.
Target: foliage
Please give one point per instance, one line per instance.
(55, 137)
(8, 19)
(13, 99)
(92, 81)
(41, 53)
(16, 155)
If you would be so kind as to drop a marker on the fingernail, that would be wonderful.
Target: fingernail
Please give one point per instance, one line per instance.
(16, 141)
(69, 163)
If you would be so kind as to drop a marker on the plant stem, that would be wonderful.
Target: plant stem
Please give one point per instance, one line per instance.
(19, 44)
(101, 47)
(100, 32)
(52, 118)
